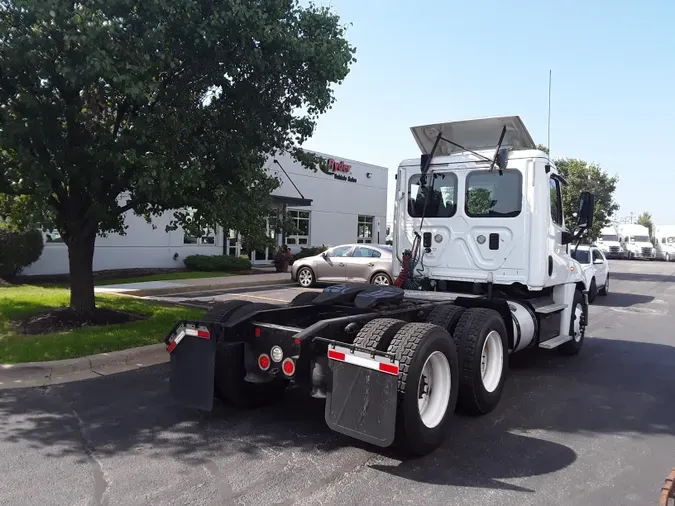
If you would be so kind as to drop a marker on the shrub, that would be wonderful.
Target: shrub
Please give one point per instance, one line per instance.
(215, 263)
(308, 252)
(18, 250)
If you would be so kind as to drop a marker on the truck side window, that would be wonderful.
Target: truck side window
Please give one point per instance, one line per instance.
(490, 195)
(442, 200)
(556, 202)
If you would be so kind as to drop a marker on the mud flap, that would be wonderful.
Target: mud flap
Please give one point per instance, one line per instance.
(361, 403)
(191, 377)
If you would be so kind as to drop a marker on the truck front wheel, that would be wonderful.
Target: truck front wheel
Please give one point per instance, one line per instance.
(427, 386)
(230, 371)
(483, 355)
(577, 327)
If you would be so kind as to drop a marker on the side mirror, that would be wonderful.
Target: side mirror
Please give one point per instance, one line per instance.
(502, 158)
(586, 210)
(324, 254)
(598, 261)
(567, 237)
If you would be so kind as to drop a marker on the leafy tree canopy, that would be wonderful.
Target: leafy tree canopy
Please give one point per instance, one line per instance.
(116, 106)
(584, 176)
(645, 219)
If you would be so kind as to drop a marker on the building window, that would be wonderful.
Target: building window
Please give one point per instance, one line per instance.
(300, 221)
(364, 230)
(208, 239)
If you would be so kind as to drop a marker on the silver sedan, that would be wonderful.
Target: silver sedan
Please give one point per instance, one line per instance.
(364, 263)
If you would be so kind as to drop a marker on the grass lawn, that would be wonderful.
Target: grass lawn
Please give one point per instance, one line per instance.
(22, 301)
(164, 277)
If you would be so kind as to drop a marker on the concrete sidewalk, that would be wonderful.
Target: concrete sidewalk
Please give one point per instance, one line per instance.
(197, 285)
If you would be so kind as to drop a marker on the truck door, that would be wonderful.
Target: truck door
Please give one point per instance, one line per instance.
(557, 251)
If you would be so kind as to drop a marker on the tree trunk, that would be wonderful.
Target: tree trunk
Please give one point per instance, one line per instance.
(81, 260)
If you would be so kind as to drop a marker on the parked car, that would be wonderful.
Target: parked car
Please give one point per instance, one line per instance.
(365, 263)
(596, 269)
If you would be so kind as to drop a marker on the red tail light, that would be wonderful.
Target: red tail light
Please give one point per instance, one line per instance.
(264, 362)
(288, 367)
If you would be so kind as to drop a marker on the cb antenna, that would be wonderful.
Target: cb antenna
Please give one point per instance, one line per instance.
(548, 129)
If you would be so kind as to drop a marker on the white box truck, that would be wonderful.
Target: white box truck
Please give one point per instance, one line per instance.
(665, 242)
(635, 242)
(608, 243)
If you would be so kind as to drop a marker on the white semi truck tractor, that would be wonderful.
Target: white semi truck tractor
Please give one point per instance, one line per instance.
(635, 241)
(609, 244)
(483, 265)
(664, 235)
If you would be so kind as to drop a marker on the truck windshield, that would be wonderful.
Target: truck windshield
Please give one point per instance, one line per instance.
(610, 238)
(581, 256)
(639, 238)
(442, 201)
(490, 195)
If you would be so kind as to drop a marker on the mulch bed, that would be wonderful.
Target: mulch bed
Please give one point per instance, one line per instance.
(61, 320)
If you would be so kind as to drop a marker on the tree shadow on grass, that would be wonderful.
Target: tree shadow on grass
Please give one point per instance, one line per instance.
(612, 387)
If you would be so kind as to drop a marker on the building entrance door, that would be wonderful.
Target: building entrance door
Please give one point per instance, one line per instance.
(266, 256)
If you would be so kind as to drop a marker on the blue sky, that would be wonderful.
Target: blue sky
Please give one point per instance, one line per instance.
(613, 93)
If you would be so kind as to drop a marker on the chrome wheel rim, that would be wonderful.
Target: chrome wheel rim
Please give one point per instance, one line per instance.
(492, 361)
(433, 391)
(381, 279)
(305, 277)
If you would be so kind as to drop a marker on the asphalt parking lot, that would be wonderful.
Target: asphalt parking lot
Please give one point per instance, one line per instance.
(591, 430)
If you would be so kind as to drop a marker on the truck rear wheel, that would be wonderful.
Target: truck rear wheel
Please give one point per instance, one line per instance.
(483, 355)
(427, 386)
(377, 334)
(230, 371)
(577, 327)
(446, 316)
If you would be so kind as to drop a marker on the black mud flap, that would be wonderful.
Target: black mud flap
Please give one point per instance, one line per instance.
(361, 402)
(191, 378)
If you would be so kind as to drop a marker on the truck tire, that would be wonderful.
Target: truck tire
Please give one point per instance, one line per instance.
(230, 371)
(377, 334)
(577, 330)
(482, 343)
(425, 351)
(446, 316)
(303, 299)
(592, 291)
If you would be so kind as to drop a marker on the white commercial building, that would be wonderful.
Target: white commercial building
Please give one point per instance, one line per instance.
(346, 202)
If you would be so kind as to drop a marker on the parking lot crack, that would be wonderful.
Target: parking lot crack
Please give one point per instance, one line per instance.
(101, 481)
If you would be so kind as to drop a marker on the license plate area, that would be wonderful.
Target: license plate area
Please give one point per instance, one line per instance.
(361, 401)
(192, 368)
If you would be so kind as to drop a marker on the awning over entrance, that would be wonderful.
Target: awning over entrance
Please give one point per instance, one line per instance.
(292, 201)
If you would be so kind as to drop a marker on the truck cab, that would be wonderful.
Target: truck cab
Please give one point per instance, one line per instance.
(609, 244)
(635, 241)
(664, 236)
(482, 225)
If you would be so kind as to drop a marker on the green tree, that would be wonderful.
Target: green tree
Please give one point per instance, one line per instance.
(116, 106)
(584, 176)
(479, 201)
(645, 219)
